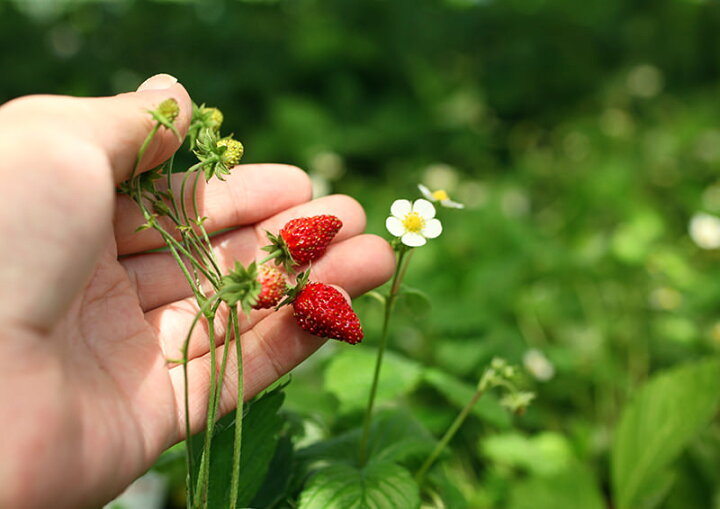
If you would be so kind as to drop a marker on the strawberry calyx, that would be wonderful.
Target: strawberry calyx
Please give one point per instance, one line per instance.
(279, 252)
(292, 292)
(241, 286)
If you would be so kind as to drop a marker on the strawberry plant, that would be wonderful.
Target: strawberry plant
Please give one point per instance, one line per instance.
(229, 463)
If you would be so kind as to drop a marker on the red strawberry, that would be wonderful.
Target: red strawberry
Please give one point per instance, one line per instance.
(273, 287)
(303, 240)
(323, 311)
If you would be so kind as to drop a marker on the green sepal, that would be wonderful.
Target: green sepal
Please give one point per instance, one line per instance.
(241, 286)
(284, 258)
(291, 293)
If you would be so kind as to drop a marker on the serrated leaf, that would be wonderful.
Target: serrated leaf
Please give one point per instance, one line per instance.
(459, 393)
(665, 415)
(349, 377)
(261, 425)
(574, 488)
(377, 485)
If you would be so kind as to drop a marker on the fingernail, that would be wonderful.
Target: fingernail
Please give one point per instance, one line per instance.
(158, 82)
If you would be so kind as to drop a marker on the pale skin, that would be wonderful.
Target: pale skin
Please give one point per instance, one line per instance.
(88, 321)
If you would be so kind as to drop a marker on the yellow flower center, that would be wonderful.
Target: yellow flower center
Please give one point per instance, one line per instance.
(413, 222)
(440, 195)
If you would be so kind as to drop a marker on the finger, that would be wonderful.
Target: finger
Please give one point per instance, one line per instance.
(159, 281)
(357, 265)
(251, 193)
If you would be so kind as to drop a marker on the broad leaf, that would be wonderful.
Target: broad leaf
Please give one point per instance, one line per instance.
(349, 376)
(665, 415)
(275, 486)
(377, 485)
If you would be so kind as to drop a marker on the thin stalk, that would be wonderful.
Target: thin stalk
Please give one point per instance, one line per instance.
(188, 429)
(420, 475)
(144, 147)
(271, 256)
(400, 270)
(172, 243)
(237, 444)
(203, 482)
(211, 254)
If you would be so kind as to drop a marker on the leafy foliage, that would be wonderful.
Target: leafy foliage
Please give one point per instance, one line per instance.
(261, 425)
(660, 421)
(377, 485)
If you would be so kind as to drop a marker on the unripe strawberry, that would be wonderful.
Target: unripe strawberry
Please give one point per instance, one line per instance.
(323, 311)
(304, 239)
(273, 287)
(233, 151)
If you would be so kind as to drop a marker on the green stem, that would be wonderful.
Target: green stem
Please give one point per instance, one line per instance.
(143, 148)
(237, 444)
(400, 270)
(271, 256)
(420, 476)
(188, 428)
(203, 482)
(210, 253)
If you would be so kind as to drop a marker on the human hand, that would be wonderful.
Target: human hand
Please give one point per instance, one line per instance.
(87, 319)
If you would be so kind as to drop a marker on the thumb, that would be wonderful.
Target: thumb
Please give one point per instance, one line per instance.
(116, 125)
(123, 122)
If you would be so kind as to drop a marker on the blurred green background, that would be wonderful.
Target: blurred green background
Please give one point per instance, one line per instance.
(583, 137)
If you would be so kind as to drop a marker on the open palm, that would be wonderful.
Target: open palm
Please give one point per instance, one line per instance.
(88, 398)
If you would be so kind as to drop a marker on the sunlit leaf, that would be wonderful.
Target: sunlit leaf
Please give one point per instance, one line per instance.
(665, 415)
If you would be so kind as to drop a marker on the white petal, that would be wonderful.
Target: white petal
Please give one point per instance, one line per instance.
(413, 239)
(426, 192)
(424, 208)
(394, 226)
(400, 208)
(452, 204)
(433, 228)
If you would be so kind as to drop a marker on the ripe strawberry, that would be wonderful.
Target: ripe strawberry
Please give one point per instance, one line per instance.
(273, 287)
(323, 311)
(303, 240)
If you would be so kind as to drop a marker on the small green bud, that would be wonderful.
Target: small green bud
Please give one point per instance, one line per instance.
(214, 116)
(169, 109)
(233, 151)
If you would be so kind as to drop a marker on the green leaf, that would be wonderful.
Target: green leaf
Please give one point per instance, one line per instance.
(395, 435)
(349, 376)
(665, 415)
(276, 484)
(544, 454)
(377, 485)
(261, 425)
(573, 488)
(459, 393)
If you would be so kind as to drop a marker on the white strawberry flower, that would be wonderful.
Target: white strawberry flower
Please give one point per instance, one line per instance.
(440, 196)
(413, 222)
